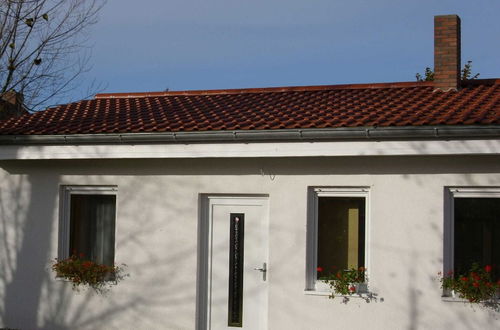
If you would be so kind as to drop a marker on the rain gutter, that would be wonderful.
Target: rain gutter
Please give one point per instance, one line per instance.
(247, 136)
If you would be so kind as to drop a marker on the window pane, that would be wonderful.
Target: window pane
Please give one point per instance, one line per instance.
(92, 227)
(341, 233)
(477, 233)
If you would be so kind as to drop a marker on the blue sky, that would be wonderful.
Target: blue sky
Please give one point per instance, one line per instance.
(153, 45)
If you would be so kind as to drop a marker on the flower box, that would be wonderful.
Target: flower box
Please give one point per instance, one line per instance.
(85, 273)
(475, 285)
(346, 282)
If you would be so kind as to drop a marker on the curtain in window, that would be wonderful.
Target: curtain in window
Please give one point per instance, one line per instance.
(477, 234)
(341, 234)
(92, 227)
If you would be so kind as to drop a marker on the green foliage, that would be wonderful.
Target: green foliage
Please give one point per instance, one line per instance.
(344, 281)
(466, 73)
(476, 285)
(85, 273)
(428, 75)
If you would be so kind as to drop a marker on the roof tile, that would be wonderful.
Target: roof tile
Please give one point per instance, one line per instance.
(394, 104)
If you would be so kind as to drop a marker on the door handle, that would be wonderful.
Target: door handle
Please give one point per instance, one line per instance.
(263, 270)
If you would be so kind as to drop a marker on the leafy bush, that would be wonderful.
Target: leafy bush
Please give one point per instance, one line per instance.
(465, 73)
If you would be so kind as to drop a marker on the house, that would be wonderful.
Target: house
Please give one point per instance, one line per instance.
(227, 205)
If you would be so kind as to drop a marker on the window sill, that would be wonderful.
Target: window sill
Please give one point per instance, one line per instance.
(462, 300)
(109, 279)
(362, 295)
(324, 287)
(454, 299)
(316, 293)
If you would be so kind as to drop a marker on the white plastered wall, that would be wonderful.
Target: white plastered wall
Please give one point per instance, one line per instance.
(157, 239)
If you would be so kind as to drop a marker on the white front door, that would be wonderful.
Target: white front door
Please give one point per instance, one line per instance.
(237, 262)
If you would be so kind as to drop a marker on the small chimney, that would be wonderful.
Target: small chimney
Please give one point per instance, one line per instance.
(447, 52)
(11, 105)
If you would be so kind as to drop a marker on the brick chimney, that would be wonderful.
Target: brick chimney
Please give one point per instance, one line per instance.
(11, 105)
(447, 60)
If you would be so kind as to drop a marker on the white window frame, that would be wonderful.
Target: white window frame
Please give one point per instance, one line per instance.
(65, 207)
(312, 230)
(449, 220)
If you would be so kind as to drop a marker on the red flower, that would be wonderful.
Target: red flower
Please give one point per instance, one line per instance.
(339, 275)
(319, 269)
(475, 284)
(463, 278)
(487, 268)
(352, 289)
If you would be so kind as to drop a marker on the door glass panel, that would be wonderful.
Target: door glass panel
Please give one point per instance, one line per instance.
(236, 244)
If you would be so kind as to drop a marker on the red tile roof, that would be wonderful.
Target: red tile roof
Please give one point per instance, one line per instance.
(368, 105)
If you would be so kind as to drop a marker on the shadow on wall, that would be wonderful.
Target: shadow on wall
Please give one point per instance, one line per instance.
(30, 297)
(26, 229)
(418, 261)
(375, 165)
(410, 287)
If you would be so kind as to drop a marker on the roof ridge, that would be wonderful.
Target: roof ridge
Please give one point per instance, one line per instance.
(266, 89)
(476, 82)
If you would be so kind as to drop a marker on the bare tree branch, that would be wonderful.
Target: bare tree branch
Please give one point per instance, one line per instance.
(43, 46)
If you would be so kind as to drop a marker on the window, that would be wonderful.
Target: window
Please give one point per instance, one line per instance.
(473, 229)
(337, 232)
(87, 224)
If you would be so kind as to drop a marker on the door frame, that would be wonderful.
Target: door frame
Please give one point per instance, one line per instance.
(204, 240)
